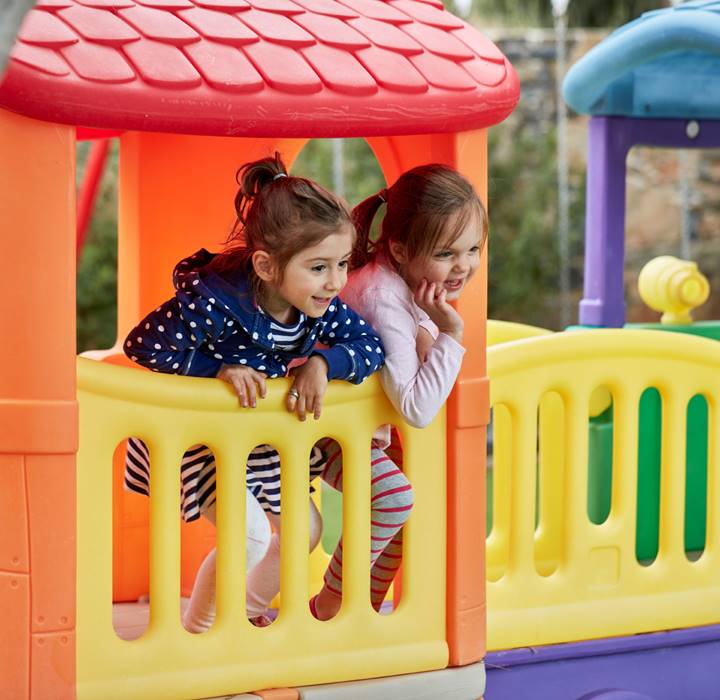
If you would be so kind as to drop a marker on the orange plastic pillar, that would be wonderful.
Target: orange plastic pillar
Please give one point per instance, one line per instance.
(38, 410)
(166, 213)
(468, 405)
(468, 414)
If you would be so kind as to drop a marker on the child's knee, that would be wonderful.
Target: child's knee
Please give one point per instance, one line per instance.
(396, 497)
(258, 532)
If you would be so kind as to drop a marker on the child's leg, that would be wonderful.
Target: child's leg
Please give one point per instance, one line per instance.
(384, 569)
(391, 501)
(264, 580)
(200, 613)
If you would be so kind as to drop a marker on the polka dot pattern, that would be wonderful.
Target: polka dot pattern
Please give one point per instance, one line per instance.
(198, 331)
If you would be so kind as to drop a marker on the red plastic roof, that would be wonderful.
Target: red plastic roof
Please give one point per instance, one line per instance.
(257, 67)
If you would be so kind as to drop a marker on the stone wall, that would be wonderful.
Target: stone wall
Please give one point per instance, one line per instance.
(654, 200)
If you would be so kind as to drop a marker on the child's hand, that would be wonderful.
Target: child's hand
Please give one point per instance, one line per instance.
(309, 388)
(243, 379)
(431, 299)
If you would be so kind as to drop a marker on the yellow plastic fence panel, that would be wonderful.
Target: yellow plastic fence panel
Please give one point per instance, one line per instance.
(171, 413)
(559, 577)
(507, 331)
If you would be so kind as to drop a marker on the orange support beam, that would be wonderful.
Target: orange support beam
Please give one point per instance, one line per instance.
(38, 410)
(468, 415)
(468, 405)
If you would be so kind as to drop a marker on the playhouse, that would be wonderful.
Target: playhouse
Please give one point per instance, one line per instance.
(603, 552)
(192, 89)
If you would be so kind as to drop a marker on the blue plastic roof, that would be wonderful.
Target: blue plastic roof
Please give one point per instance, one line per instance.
(666, 64)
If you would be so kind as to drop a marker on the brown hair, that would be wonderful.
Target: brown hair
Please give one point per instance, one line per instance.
(419, 208)
(279, 213)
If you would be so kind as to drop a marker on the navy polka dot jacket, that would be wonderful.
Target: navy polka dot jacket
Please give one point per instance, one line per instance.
(213, 321)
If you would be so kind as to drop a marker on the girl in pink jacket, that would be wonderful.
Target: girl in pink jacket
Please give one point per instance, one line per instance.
(429, 246)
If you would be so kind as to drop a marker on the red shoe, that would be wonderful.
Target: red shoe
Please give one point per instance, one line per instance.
(261, 621)
(313, 607)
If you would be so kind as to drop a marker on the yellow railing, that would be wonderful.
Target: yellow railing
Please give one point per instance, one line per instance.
(553, 575)
(171, 413)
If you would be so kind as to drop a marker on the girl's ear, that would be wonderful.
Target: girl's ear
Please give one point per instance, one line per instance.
(398, 251)
(263, 265)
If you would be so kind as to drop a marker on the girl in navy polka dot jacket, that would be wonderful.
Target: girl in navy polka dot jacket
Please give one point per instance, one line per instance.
(243, 316)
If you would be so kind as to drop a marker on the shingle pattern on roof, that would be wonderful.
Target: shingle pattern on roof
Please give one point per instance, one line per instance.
(238, 66)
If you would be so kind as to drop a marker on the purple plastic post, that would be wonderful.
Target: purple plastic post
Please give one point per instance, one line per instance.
(609, 140)
(603, 301)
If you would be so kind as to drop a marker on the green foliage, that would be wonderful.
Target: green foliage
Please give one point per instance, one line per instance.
(581, 13)
(361, 174)
(524, 262)
(97, 269)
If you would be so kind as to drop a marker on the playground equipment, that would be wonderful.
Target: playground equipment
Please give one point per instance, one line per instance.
(603, 563)
(193, 90)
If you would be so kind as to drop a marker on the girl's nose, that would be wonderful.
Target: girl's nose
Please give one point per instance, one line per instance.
(334, 281)
(461, 267)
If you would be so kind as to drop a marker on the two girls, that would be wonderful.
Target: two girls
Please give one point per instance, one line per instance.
(432, 234)
(244, 315)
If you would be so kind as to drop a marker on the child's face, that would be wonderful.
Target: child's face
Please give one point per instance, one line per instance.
(316, 275)
(450, 265)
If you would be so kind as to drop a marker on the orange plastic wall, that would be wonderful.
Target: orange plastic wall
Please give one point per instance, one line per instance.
(38, 410)
(176, 195)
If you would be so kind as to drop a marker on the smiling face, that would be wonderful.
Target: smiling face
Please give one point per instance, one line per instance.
(311, 279)
(449, 265)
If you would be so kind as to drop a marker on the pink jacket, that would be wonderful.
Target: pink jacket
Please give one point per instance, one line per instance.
(416, 389)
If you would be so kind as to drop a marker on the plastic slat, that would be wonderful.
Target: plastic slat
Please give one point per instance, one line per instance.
(277, 28)
(105, 4)
(392, 71)
(442, 73)
(380, 11)
(163, 65)
(484, 72)
(428, 14)
(340, 70)
(41, 59)
(45, 29)
(166, 4)
(332, 31)
(160, 25)
(218, 26)
(439, 42)
(99, 26)
(386, 36)
(224, 5)
(98, 63)
(52, 4)
(282, 7)
(327, 7)
(224, 67)
(283, 69)
(479, 43)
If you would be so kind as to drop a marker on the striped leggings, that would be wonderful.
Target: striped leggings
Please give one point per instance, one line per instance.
(391, 500)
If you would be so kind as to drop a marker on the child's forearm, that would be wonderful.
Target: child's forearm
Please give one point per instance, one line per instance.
(163, 342)
(418, 390)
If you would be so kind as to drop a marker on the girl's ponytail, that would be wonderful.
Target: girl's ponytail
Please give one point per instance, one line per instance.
(252, 178)
(363, 215)
(279, 213)
(425, 205)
